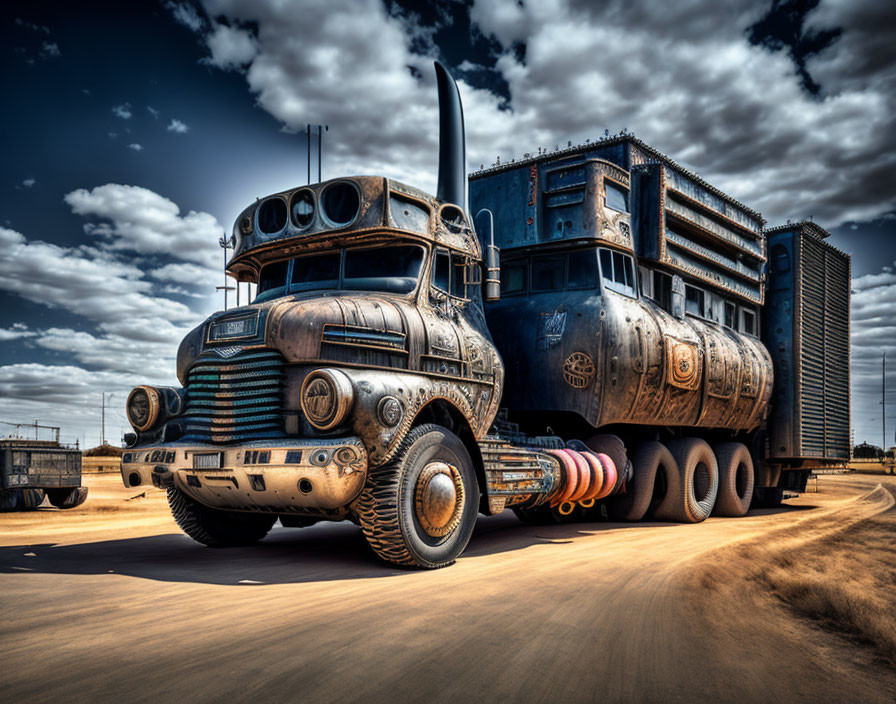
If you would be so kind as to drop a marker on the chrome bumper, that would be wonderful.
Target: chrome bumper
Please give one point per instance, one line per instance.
(279, 477)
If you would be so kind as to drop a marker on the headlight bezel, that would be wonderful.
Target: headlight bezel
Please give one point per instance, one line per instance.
(326, 397)
(153, 396)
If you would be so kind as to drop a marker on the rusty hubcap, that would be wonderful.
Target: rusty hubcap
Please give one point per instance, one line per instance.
(439, 499)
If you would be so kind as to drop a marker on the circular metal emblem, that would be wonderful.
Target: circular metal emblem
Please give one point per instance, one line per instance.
(389, 410)
(439, 499)
(578, 370)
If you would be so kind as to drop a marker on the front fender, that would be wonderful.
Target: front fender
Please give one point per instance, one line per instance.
(412, 392)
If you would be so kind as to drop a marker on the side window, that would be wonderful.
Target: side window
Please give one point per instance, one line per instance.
(514, 276)
(272, 277)
(646, 281)
(617, 196)
(582, 271)
(458, 276)
(747, 321)
(547, 273)
(441, 270)
(730, 313)
(618, 272)
(694, 301)
(662, 290)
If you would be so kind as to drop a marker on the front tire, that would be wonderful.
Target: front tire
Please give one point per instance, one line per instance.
(419, 510)
(216, 528)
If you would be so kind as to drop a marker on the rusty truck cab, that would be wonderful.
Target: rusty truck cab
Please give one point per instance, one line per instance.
(368, 314)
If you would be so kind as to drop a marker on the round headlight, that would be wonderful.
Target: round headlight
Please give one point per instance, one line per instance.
(327, 395)
(143, 407)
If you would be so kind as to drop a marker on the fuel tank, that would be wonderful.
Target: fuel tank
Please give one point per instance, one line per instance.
(616, 359)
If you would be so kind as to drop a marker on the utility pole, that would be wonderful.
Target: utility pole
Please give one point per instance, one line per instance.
(883, 402)
(226, 243)
(103, 426)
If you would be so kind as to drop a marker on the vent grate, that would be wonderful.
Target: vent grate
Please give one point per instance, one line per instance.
(234, 400)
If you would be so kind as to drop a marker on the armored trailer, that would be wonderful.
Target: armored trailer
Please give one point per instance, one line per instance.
(633, 300)
(364, 382)
(34, 469)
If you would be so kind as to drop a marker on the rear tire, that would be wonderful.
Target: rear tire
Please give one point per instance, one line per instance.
(29, 499)
(735, 479)
(67, 498)
(652, 462)
(419, 510)
(699, 482)
(216, 528)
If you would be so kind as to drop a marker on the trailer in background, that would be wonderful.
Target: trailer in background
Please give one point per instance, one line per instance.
(31, 470)
(806, 329)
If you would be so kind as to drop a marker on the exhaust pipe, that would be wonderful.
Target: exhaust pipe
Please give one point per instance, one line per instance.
(452, 186)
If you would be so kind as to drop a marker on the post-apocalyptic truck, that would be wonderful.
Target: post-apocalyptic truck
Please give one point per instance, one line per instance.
(32, 469)
(364, 380)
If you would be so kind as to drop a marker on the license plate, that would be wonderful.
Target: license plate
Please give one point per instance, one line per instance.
(235, 328)
(207, 461)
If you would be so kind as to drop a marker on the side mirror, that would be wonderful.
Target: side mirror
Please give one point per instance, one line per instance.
(492, 254)
(677, 297)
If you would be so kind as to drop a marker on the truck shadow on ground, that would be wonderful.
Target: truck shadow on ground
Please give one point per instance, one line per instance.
(325, 552)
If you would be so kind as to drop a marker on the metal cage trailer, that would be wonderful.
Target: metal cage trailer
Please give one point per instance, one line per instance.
(34, 469)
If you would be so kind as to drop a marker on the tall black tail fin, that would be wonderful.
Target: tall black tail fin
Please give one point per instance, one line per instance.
(452, 186)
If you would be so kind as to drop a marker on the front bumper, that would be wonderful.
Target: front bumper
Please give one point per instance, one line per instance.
(295, 476)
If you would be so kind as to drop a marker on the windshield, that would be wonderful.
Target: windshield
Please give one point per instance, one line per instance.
(391, 269)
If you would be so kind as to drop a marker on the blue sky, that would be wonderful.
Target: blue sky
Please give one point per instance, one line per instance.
(135, 132)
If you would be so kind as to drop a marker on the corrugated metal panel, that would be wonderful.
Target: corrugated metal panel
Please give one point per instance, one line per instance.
(823, 383)
(235, 399)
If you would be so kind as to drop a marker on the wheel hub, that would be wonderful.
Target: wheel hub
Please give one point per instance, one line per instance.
(439, 499)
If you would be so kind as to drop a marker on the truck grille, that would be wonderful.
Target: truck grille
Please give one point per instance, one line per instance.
(235, 399)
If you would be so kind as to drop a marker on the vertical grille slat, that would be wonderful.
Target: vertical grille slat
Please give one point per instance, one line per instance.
(235, 399)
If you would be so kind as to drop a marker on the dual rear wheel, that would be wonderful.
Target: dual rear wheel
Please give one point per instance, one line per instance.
(686, 481)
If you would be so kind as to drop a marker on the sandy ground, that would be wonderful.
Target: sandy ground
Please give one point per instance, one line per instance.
(110, 602)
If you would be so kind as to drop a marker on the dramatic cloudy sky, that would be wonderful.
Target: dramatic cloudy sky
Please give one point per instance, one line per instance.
(133, 133)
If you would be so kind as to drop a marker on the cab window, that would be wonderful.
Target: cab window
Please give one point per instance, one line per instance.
(617, 271)
(449, 272)
(514, 277)
(547, 273)
(694, 301)
(617, 196)
(272, 279)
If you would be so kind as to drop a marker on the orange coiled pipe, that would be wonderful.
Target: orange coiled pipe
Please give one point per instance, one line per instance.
(584, 470)
(597, 477)
(569, 477)
(609, 475)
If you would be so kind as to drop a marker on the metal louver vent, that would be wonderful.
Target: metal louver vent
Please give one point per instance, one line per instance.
(234, 400)
(824, 351)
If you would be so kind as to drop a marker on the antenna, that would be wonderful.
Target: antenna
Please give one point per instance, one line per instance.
(326, 128)
(308, 150)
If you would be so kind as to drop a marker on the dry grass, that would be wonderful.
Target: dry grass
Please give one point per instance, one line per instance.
(845, 580)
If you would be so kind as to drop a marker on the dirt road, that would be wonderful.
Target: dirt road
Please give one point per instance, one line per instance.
(110, 601)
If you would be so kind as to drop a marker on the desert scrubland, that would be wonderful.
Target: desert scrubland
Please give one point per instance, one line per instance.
(793, 604)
